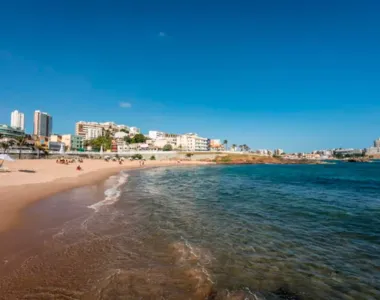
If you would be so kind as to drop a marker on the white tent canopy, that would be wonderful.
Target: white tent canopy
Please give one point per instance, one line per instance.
(6, 157)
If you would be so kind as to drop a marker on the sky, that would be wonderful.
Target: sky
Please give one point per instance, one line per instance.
(296, 75)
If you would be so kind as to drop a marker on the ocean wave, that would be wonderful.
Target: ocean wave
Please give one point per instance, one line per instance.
(112, 194)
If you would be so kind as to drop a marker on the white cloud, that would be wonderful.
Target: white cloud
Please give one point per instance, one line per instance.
(125, 105)
(162, 34)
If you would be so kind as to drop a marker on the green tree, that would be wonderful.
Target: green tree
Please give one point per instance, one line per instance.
(100, 141)
(225, 143)
(108, 133)
(127, 139)
(5, 146)
(152, 157)
(124, 130)
(137, 156)
(167, 147)
(138, 138)
(189, 155)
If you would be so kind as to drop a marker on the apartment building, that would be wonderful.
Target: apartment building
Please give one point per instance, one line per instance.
(91, 130)
(42, 124)
(17, 120)
(73, 142)
(278, 151)
(55, 138)
(154, 135)
(192, 142)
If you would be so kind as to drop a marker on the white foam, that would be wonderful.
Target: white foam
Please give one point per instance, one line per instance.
(112, 194)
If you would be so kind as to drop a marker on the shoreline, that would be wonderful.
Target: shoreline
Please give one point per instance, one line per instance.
(18, 190)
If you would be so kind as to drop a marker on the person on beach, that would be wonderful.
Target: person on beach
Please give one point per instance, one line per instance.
(79, 168)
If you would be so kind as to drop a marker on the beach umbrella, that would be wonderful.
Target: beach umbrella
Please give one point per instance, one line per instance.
(62, 150)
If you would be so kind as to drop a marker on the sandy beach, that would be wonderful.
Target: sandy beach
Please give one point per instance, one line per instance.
(33, 180)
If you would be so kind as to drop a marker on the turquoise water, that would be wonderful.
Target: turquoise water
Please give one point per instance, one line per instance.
(291, 231)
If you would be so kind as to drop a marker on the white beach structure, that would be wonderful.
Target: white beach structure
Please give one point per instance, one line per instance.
(62, 149)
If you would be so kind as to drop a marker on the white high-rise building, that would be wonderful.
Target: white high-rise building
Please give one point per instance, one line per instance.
(17, 120)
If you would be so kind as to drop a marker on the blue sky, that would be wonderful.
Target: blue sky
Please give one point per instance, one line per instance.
(298, 75)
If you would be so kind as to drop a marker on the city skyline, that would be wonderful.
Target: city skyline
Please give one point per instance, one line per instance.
(88, 130)
(264, 74)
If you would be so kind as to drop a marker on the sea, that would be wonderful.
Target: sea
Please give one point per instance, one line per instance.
(203, 232)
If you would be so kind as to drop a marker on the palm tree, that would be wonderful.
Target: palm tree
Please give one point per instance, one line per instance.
(20, 142)
(234, 146)
(5, 146)
(39, 148)
(225, 142)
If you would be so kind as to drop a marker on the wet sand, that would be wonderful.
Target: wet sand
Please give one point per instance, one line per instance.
(33, 180)
(66, 248)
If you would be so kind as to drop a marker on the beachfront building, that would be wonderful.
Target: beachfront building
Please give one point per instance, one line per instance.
(55, 138)
(278, 152)
(154, 135)
(88, 130)
(73, 142)
(348, 151)
(192, 142)
(375, 150)
(164, 139)
(92, 130)
(17, 120)
(10, 132)
(216, 145)
(263, 152)
(42, 124)
(55, 146)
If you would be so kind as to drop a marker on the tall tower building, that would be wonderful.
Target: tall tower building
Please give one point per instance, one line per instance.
(42, 124)
(17, 120)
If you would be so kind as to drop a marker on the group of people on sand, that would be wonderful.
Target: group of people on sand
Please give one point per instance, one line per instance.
(66, 161)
